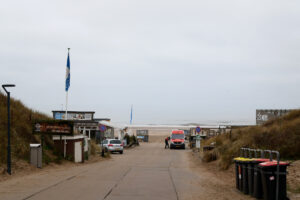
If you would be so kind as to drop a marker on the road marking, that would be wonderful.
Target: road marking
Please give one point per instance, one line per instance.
(109, 192)
(173, 183)
(51, 186)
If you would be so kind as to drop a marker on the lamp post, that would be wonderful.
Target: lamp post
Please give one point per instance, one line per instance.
(8, 127)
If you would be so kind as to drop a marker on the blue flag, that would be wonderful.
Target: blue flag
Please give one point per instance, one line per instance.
(68, 75)
(131, 116)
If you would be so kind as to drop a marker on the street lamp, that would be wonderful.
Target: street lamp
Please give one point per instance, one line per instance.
(8, 127)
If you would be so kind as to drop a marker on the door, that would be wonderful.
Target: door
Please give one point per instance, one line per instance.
(78, 152)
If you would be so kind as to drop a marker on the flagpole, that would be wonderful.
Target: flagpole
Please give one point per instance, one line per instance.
(66, 105)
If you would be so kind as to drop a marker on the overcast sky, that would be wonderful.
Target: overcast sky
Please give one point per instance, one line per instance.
(175, 61)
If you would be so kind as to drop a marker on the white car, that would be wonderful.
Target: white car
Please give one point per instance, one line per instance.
(113, 145)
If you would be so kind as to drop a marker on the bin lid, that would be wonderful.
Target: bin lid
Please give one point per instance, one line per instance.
(238, 158)
(243, 159)
(272, 164)
(35, 145)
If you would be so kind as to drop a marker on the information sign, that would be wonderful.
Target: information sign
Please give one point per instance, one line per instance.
(53, 127)
(102, 128)
(198, 144)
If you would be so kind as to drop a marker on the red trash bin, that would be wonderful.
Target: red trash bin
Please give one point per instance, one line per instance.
(257, 184)
(269, 179)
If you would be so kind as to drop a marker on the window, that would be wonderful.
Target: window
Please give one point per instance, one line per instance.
(177, 136)
(115, 142)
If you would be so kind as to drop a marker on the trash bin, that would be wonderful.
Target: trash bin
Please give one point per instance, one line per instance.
(245, 163)
(269, 179)
(251, 176)
(239, 172)
(251, 169)
(36, 155)
(257, 184)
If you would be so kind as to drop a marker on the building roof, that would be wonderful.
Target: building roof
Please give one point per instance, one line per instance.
(63, 111)
(102, 119)
(110, 124)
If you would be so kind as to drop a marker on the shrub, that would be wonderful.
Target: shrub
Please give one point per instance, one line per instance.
(95, 148)
(127, 138)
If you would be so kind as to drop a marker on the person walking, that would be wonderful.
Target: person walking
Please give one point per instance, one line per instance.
(167, 142)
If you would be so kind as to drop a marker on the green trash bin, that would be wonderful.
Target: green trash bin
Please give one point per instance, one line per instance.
(257, 184)
(269, 179)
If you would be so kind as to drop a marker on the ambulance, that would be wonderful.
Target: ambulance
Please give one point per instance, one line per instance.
(177, 139)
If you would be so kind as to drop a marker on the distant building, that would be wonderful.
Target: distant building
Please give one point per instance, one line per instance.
(263, 116)
(142, 135)
(210, 131)
(84, 121)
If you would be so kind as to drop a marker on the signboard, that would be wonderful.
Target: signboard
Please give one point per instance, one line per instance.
(198, 140)
(102, 128)
(263, 116)
(198, 129)
(73, 116)
(142, 132)
(53, 128)
(198, 144)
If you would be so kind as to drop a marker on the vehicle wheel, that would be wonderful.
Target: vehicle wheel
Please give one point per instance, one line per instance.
(121, 152)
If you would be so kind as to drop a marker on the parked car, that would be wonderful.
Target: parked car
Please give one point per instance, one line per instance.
(177, 139)
(113, 145)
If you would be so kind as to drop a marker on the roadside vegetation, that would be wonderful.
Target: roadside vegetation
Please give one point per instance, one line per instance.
(281, 134)
(21, 133)
(131, 140)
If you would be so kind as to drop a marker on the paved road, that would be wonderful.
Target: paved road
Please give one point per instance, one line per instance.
(145, 172)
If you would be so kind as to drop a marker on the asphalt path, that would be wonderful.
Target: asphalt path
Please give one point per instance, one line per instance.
(145, 172)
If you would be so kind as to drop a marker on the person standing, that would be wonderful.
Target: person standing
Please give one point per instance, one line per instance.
(166, 142)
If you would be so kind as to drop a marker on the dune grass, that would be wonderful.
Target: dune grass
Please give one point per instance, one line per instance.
(282, 134)
(21, 131)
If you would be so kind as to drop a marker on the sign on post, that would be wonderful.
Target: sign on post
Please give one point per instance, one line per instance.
(198, 144)
(102, 128)
(198, 129)
(198, 141)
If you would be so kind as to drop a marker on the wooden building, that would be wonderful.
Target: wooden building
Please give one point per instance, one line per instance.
(72, 147)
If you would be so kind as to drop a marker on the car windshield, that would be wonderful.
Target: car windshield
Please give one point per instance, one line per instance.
(115, 142)
(177, 136)
(105, 141)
